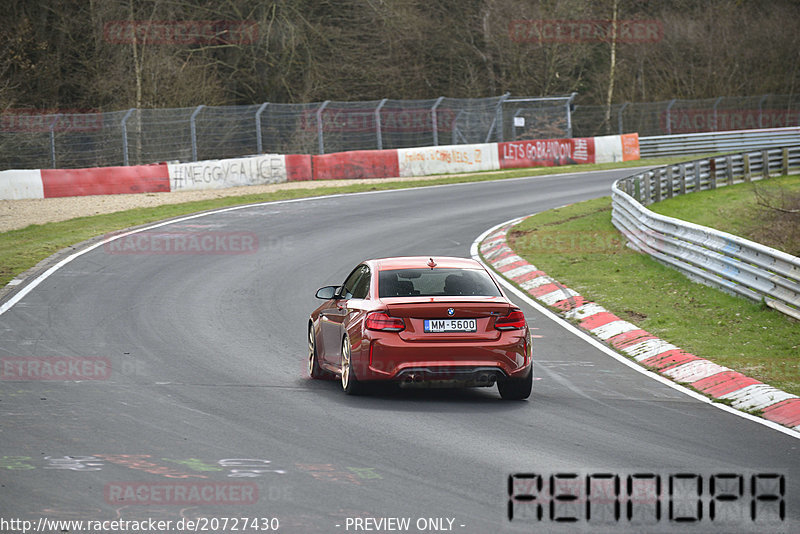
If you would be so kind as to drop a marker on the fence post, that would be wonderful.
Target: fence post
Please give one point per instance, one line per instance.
(765, 159)
(435, 121)
(378, 132)
(619, 116)
(785, 162)
(716, 119)
(647, 180)
(670, 182)
(760, 110)
(682, 177)
(668, 113)
(319, 127)
(259, 140)
(124, 127)
(712, 173)
(569, 113)
(657, 185)
(729, 169)
(193, 130)
(746, 158)
(53, 140)
(498, 117)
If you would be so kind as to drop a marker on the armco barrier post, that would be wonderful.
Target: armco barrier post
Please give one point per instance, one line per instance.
(669, 192)
(193, 130)
(729, 169)
(124, 127)
(746, 158)
(785, 162)
(658, 186)
(259, 143)
(683, 179)
(712, 173)
(765, 158)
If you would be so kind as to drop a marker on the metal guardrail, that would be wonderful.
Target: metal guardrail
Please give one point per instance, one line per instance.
(716, 142)
(718, 259)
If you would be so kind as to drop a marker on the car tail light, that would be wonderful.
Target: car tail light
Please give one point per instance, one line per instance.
(385, 322)
(513, 321)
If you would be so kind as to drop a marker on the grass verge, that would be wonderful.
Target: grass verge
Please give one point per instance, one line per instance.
(578, 246)
(24, 248)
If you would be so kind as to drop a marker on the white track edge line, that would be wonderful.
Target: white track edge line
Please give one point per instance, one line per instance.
(474, 252)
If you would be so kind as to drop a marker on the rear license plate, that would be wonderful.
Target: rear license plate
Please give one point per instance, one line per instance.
(451, 325)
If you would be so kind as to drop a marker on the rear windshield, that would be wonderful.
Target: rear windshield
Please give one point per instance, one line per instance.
(436, 282)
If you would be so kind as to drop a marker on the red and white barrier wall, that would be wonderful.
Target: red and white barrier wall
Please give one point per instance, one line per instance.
(277, 168)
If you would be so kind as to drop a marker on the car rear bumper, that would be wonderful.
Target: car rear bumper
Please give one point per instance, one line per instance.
(387, 357)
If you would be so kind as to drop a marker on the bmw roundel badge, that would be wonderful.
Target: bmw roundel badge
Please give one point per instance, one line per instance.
(450, 311)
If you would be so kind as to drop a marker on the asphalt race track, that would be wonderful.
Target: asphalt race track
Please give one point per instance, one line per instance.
(207, 389)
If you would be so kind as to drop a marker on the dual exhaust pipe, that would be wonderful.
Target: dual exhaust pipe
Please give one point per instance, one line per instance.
(482, 378)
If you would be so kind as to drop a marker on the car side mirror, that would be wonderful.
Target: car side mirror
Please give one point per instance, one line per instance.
(327, 292)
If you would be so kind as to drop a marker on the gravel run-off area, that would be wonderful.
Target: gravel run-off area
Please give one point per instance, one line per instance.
(16, 214)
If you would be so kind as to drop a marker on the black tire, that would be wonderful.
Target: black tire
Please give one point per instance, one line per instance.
(516, 388)
(314, 370)
(350, 383)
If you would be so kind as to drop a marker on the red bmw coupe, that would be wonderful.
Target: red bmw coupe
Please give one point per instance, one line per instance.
(419, 321)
